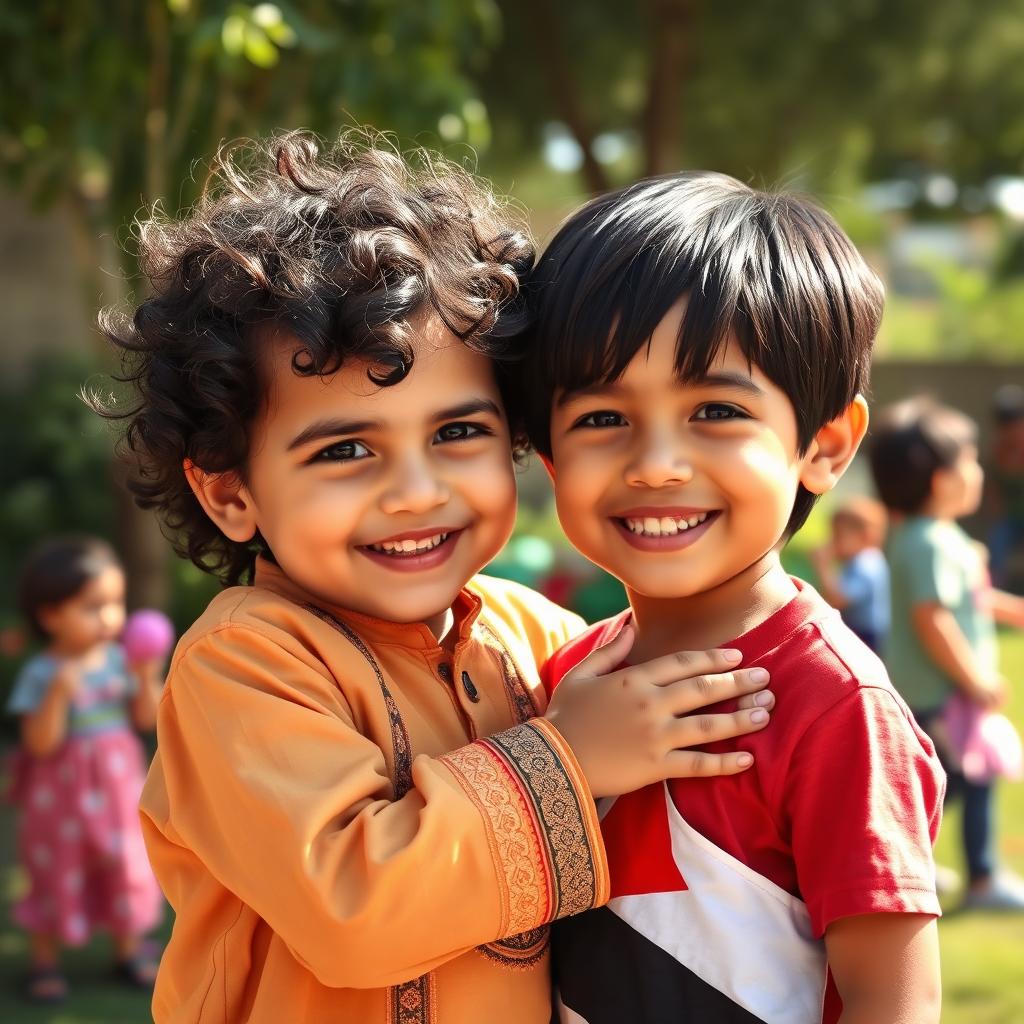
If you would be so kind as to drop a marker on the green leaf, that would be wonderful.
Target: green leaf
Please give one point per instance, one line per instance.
(259, 50)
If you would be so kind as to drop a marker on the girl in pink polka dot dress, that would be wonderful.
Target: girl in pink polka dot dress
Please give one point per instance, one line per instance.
(78, 775)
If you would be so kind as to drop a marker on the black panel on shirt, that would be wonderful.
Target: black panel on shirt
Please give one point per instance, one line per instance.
(611, 974)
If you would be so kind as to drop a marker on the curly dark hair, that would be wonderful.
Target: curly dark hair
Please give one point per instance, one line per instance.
(340, 249)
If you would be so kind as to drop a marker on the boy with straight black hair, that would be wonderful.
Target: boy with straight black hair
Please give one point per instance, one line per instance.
(695, 378)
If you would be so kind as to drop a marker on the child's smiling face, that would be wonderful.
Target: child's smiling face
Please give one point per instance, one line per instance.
(381, 500)
(93, 616)
(676, 487)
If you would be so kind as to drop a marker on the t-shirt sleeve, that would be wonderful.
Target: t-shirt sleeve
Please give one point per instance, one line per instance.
(863, 798)
(931, 576)
(30, 686)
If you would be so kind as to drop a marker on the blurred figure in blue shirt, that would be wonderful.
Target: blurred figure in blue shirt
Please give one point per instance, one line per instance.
(853, 575)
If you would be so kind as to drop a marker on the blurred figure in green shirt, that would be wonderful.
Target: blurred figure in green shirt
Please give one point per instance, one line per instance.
(924, 458)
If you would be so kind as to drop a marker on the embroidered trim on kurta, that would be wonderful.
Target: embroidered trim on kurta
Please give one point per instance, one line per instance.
(541, 836)
(399, 734)
(513, 834)
(413, 1002)
(520, 952)
(519, 697)
(544, 765)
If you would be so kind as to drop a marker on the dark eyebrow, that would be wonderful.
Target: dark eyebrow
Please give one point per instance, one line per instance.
(588, 390)
(722, 379)
(470, 408)
(728, 379)
(323, 429)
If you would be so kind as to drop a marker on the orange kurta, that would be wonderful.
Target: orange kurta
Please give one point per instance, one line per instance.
(337, 838)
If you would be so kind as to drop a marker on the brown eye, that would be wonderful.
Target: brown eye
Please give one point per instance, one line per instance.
(719, 411)
(459, 432)
(601, 419)
(342, 451)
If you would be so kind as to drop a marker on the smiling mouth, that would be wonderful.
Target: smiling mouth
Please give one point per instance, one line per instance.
(663, 526)
(409, 547)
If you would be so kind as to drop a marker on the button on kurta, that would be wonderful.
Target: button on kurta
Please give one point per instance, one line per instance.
(470, 687)
(444, 670)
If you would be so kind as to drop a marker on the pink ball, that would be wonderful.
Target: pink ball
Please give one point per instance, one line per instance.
(148, 634)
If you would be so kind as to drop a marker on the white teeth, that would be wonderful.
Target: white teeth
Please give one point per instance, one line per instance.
(666, 526)
(409, 546)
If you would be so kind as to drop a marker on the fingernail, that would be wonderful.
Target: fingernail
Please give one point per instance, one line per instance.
(758, 675)
(745, 760)
(758, 715)
(731, 654)
(765, 698)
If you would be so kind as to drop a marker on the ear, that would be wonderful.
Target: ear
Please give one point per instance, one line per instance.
(548, 465)
(834, 447)
(225, 500)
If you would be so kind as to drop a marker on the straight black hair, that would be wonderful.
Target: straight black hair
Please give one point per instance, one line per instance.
(910, 442)
(770, 269)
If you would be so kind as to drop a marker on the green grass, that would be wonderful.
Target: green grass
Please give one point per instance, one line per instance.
(982, 954)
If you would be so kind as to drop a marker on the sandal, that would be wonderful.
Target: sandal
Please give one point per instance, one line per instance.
(46, 985)
(139, 971)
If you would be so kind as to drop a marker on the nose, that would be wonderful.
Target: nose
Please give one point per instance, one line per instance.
(414, 487)
(659, 460)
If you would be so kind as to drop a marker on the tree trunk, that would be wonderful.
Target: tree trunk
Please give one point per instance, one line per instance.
(671, 31)
(550, 36)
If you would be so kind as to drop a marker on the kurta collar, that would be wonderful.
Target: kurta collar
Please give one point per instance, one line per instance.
(415, 635)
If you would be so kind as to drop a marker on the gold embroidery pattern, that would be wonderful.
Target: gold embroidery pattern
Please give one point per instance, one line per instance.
(520, 952)
(413, 1002)
(519, 697)
(517, 850)
(563, 820)
(399, 734)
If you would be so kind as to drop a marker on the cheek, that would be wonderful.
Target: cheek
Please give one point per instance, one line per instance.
(491, 489)
(583, 471)
(756, 473)
(311, 515)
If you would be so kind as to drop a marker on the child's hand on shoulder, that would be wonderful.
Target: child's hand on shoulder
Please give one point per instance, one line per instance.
(629, 727)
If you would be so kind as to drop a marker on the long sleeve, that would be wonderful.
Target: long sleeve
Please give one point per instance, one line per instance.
(264, 776)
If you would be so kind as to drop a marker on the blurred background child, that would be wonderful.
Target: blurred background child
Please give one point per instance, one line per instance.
(853, 575)
(1006, 482)
(79, 771)
(924, 458)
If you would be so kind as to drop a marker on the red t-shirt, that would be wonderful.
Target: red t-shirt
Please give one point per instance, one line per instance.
(844, 799)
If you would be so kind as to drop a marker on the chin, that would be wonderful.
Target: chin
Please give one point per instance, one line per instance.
(660, 589)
